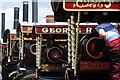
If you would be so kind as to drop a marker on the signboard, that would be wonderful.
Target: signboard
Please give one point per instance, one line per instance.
(91, 5)
(61, 29)
(51, 30)
(94, 65)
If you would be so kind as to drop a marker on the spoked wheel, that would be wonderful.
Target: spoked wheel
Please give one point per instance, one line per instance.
(24, 76)
(67, 74)
(13, 75)
(29, 77)
(33, 77)
(19, 76)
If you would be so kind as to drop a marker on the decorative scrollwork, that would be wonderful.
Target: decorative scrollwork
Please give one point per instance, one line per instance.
(21, 45)
(38, 51)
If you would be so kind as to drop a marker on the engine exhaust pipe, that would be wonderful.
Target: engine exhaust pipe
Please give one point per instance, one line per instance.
(16, 17)
(3, 24)
(35, 11)
(25, 11)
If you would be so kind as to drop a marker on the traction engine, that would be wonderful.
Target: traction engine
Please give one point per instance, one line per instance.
(68, 48)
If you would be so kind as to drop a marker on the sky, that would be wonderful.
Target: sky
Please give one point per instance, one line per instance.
(7, 7)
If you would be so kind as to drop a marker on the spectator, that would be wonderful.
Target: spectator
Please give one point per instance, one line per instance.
(111, 35)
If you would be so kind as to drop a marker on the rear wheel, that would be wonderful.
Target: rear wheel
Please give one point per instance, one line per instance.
(29, 77)
(13, 75)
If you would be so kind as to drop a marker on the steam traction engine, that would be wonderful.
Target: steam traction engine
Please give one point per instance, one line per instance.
(89, 59)
(9, 54)
(26, 47)
(68, 49)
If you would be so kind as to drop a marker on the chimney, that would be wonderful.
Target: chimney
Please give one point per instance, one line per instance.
(25, 11)
(3, 24)
(35, 11)
(49, 19)
(16, 17)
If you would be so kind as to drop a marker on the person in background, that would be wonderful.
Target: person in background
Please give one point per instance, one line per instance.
(111, 35)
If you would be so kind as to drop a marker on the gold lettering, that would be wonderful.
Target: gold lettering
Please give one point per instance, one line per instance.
(100, 5)
(52, 30)
(58, 30)
(65, 30)
(88, 30)
(92, 3)
(108, 5)
(80, 6)
(45, 30)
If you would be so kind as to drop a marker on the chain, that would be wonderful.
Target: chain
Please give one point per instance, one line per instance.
(10, 50)
(73, 41)
(7, 47)
(69, 42)
(77, 42)
(38, 51)
(21, 45)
